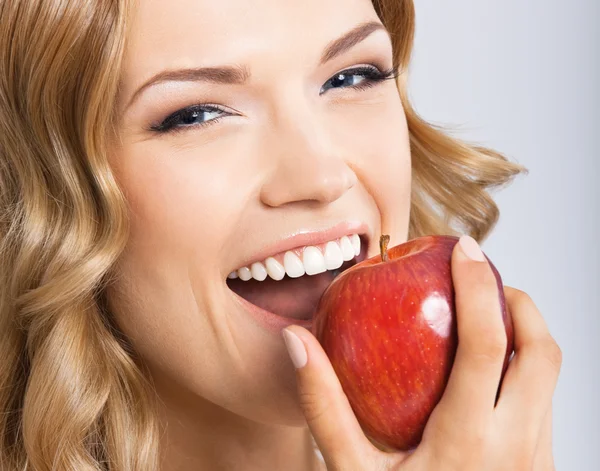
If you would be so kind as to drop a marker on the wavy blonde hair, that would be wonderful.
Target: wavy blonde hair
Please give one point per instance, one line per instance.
(73, 393)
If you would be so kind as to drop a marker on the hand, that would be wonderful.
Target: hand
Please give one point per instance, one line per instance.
(467, 431)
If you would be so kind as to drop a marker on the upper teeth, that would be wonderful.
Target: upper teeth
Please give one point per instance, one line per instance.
(313, 260)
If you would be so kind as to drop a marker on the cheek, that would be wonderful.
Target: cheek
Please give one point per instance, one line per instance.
(178, 220)
(176, 198)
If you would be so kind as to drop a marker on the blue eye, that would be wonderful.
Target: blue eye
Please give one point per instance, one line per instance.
(192, 116)
(370, 76)
(200, 115)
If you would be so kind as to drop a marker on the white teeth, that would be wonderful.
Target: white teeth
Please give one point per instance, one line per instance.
(355, 239)
(333, 256)
(314, 262)
(259, 272)
(293, 265)
(275, 269)
(347, 249)
(244, 273)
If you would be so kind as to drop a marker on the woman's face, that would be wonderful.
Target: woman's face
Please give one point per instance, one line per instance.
(292, 148)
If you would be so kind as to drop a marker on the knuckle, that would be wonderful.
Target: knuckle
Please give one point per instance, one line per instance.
(314, 405)
(477, 439)
(551, 352)
(487, 345)
(518, 298)
(516, 293)
(509, 290)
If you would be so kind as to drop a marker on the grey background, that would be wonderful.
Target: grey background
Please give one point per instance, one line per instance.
(523, 77)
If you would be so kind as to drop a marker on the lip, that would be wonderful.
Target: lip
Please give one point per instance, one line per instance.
(303, 238)
(269, 320)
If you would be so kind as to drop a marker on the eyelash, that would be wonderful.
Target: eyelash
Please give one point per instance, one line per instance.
(172, 123)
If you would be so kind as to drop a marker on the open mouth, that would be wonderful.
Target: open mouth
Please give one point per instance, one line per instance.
(295, 298)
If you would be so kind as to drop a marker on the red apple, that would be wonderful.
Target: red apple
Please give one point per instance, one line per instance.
(388, 326)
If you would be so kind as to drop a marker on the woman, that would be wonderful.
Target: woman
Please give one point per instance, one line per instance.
(153, 155)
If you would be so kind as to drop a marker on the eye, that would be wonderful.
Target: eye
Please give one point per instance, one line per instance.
(192, 116)
(195, 116)
(368, 77)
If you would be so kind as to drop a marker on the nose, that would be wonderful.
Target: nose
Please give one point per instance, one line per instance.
(307, 165)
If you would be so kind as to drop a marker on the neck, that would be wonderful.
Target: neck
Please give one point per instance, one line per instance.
(207, 436)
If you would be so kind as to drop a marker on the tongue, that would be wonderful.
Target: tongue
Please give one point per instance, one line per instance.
(291, 297)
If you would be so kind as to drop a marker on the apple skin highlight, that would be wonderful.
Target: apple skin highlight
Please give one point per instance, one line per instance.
(389, 330)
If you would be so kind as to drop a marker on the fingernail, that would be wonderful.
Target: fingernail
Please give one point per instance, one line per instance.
(471, 248)
(295, 348)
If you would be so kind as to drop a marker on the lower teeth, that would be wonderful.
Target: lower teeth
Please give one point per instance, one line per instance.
(336, 272)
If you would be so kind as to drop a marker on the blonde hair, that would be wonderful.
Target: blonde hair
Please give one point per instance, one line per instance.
(73, 393)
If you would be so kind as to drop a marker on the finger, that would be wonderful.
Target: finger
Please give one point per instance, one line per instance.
(325, 405)
(531, 378)
(471, 390)
(544, 460)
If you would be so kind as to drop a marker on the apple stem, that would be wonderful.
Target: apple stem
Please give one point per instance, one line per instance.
(384, 240)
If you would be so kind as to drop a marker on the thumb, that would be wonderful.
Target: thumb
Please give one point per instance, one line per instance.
(325, 405)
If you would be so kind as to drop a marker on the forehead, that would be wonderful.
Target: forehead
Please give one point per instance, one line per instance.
(190, 33)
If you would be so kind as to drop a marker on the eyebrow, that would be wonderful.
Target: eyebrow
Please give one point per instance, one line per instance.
(238, 75)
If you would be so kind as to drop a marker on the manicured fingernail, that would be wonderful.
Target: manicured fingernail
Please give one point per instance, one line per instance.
(295, 348)
(471, 248)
